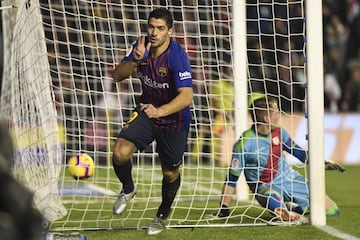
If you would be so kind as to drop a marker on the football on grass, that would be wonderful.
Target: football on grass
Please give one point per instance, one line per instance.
(81, 166)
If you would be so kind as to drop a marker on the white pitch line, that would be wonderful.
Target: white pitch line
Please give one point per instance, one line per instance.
(101, 189)
(336, 233)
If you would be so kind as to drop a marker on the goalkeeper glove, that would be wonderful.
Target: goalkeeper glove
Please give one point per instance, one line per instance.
(223, 212)
(330, 165)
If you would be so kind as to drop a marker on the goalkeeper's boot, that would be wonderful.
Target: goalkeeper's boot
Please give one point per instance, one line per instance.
(122, 201)
(333, 211)
(157, 225)
(335, 214)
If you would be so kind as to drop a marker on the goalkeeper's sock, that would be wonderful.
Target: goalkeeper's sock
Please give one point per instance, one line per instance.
(333, 211)
(123, 172)
(169, 190)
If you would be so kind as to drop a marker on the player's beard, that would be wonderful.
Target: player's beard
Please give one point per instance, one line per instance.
(158, 43)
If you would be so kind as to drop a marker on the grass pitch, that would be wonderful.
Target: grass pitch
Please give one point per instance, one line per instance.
(344, 188)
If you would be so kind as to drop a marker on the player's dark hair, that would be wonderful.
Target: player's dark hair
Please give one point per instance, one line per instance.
(162, 13)
(260, 107)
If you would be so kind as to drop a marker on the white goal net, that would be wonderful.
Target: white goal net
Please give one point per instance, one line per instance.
(58, 90)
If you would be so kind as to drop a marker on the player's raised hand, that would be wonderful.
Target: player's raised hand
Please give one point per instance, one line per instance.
(141, 51)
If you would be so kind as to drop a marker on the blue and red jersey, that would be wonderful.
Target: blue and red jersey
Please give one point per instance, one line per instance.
(262, 159)
(161, 77)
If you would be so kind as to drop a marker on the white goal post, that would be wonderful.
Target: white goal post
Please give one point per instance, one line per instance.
(58, 92)
(316, 112)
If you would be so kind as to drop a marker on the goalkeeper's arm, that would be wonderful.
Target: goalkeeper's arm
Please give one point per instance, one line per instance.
(227, 191)
(294, 149)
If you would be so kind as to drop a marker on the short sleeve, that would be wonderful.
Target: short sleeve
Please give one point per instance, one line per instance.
(180, 66)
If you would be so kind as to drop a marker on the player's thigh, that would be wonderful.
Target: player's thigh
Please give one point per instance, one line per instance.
(138, 130)
(300, 192)
(171, 147)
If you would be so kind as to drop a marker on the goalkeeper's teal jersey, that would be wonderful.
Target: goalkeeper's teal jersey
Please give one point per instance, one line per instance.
(261, 157)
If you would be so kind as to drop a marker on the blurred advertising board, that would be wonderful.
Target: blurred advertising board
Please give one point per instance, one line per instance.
(341, 135)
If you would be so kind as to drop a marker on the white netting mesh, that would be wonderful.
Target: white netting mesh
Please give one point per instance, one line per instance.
(85, 39)
(30, 106)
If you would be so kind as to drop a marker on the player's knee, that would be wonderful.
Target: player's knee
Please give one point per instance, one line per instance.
(123, 151)
(119, 158)
(171, 175)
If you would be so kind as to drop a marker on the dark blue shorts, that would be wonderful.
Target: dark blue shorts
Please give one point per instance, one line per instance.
(141, 131)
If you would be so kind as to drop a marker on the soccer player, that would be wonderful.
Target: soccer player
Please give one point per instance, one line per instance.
(162, 115)
(259, 154)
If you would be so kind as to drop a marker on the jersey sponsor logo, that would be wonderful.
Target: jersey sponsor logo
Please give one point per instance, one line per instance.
(153, 84)
(184, 75)
(162, 71)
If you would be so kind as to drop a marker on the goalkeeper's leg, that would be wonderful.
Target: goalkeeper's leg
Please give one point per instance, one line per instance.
(273, 201)
(300, 196)
(331, 207)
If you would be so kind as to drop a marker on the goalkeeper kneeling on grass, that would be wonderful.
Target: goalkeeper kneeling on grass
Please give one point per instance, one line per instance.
(259, 154)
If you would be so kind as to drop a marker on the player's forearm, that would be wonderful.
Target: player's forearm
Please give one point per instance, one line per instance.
(227, 193)
(181, 101)
(124, 70)
(294, 149)
(300, 153)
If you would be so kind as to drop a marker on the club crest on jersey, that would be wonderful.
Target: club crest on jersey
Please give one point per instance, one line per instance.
(276, 140)
(162, 71)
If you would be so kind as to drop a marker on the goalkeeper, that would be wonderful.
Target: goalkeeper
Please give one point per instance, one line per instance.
(259, 155)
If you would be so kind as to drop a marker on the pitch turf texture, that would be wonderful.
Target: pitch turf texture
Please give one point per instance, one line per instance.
(344, 188)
